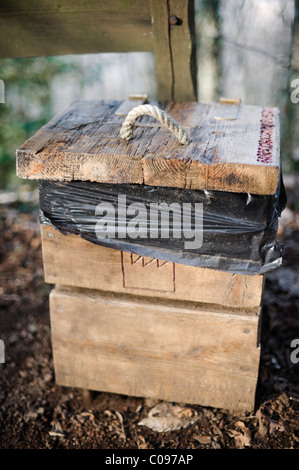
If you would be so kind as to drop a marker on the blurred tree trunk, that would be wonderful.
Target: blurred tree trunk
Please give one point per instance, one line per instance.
(256, 49)
(255, 57)
(293, 109)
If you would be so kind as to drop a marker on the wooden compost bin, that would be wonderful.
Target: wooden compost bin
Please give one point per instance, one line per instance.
(127, 322)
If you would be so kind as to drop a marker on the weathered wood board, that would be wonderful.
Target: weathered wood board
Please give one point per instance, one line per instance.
(174, 48)
(48, 28)
(234, 148)
(157, 350)
(69, 260)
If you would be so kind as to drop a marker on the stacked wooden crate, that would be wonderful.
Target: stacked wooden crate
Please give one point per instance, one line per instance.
(126, 322)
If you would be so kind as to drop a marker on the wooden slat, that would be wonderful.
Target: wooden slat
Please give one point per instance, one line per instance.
(156, 350)
(174, 47)
(72, 261)
(55, 27)
(239, 155)
(182, 40)
(163, 62)
(52, 27)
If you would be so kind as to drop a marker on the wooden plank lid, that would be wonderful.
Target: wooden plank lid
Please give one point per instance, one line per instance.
(234, 147)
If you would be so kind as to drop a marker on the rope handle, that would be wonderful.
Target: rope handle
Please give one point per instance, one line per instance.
(126, 131)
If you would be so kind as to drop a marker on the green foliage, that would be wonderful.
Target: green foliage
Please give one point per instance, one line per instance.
(28, 103)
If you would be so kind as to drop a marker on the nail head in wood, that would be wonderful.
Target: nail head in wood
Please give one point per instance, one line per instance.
(174, 20)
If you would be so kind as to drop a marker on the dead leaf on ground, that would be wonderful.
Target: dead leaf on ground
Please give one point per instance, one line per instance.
(203, 439)
(241, 435)
(262, 426)
(117, 424)
(242, 440)
(166, 417)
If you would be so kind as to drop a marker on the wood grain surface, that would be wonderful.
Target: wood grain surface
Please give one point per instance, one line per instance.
(70, 260)
(139, 348)
(56, 27)
(174, 48)
(234, 148)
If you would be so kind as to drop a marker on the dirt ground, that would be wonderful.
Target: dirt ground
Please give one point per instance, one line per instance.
(35, 413)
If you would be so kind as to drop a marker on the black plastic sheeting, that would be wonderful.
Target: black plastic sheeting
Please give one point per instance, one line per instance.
(239, 230)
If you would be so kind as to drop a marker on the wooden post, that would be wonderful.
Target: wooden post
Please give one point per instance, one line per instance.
(45, 29)
(174, 48)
